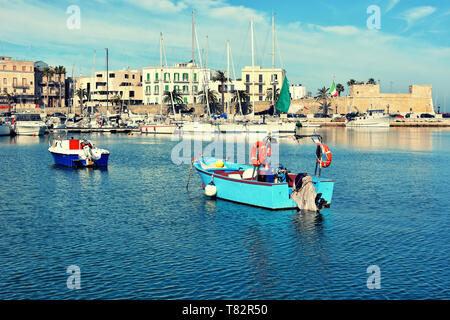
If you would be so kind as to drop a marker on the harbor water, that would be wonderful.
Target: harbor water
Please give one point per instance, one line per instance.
(136, 233)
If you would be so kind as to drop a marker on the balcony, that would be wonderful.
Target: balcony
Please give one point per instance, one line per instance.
(21, 86)
(257, 83)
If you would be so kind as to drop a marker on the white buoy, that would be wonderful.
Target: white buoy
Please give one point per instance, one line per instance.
(210, 190)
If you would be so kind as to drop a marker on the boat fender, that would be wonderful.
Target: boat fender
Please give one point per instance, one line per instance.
(211, 190)
(324, 150)
(258, 154)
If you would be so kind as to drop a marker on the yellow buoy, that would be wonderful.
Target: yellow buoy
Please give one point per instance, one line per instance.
(219, 164)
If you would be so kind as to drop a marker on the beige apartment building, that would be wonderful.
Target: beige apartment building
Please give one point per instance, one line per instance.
(17, 80)
(257, 80)
(126, 84)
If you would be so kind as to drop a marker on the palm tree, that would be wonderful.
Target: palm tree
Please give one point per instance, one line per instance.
(117, 100)
(371, 81)
(60, 70)
(48, 73)
(81, 94)
(212, 100)
(241, 98)
(322, 94)
(325, 106)
(340, 88)
(220, 76)
(172, 96)
(11, 97)
(269, 94)
(351, 82)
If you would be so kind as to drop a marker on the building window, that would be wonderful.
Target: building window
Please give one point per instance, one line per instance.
(176, 77)
(14, 68)
(166, 76)
(31, 69)
(247, 78)
(156, 89)
(147, 90)
(185, 100)
(260, 98)
(167, 88)
(126, 76)
(176, 88)
(99, 75)
(247, 89)
(195, 77)
(131, 94)
(260, 78)
(185, 77)
(185, 89)
(148, 76)
(24, 68)
(260, 89)
(132, 76)
(195, 88)
(112, 75)
(156, 76)
(5, 82)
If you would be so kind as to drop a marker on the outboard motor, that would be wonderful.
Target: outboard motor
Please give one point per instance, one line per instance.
(305, 195)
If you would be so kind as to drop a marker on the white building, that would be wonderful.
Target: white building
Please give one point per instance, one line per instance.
(187, 78)
(297, 91)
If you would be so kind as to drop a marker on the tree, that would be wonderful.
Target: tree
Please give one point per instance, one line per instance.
(81, 94)
(340, 88)
(172, 96)
(371, 81)
(351, 82)
(212, 100)
(60, 70)
(325, 106)
(322, 94)
(220, 76)
(242, 99)
(117, 101)
(48, 73)
(12, 98)
(269, 94)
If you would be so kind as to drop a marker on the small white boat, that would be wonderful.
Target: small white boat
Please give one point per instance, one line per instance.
(78, 153)
(29, 124)
(372, 118)
(5, 129)
(158, 128)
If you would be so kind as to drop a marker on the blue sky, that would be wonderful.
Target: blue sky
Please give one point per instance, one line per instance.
(316, 39)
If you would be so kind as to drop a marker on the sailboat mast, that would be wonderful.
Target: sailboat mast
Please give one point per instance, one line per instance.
(161, 74)
(253, 66)
(193, 59)
(93, 76)
(228, 74)
(273, 61)
(107, 80)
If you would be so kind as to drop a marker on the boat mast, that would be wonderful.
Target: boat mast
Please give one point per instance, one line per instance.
(161, 74)
(253, 66)
(93, 76)
(107, 81)
(273, 62)
(193, 59)
(204, 71)
(228, 75)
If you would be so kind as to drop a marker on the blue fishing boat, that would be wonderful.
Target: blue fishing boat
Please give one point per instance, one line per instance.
(270, 188)
(78, 153)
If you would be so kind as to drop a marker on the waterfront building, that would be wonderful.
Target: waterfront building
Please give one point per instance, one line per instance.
(297, 91)
(256, 81)
(187, 78)
(17, 81)
(50, 85)
(125, 84)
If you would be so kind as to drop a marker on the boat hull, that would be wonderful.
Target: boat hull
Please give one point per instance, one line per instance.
(5, 130)
(260, 194)
(158, 129)
(30, 130)
(74, 161)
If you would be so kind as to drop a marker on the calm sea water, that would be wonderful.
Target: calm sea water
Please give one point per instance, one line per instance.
(136, 233)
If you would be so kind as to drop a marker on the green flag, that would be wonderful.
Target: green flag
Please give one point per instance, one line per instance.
(284, 99)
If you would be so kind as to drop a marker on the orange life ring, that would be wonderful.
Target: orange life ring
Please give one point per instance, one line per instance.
(258, 154)
(327, 152)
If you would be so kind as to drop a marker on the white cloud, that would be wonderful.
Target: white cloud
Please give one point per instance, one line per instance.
(412, 15)
(391, 5)
(159, 5)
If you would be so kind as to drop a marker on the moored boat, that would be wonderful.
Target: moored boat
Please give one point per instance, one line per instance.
(5, 129)
(270, 188)
(78, 153)
(29, 124)
(372, 118)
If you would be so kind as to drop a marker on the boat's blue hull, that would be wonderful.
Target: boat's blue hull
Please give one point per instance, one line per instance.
(274, 196)
(74, 161)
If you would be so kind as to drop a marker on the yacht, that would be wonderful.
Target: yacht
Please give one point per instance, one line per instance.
(372, 118)
(29, 124)
(5, 129)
